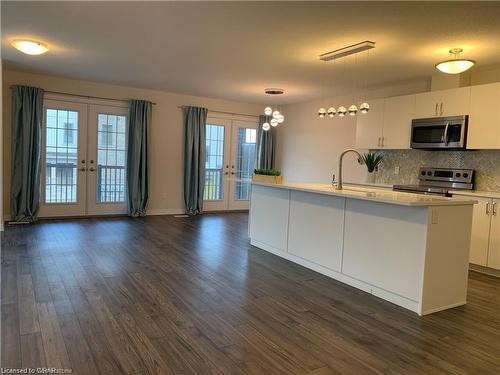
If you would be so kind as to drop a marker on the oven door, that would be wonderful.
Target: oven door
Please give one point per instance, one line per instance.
(439, 133)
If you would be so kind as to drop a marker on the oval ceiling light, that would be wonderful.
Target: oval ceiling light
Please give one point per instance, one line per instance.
(455, 65)
(29, 47)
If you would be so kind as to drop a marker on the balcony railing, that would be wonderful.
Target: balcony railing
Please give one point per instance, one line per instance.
(110, 184)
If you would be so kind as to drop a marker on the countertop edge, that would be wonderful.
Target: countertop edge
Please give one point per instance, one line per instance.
(345, 194)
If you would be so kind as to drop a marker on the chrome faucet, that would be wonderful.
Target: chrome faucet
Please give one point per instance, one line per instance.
(360, 161)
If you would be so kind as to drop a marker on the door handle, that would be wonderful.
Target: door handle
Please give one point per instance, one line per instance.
(232, 172)
(441, 109)
(487, 208)
(83, 169)
(83, 161)
(91, 169)
(226, 173)
(446, 133)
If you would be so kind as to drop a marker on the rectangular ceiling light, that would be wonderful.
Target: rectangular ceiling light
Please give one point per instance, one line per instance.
(346, 51)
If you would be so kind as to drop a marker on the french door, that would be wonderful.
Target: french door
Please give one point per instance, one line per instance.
(230, 161)
(83, 159)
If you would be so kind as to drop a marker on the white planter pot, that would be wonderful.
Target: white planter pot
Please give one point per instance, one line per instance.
(370, 177)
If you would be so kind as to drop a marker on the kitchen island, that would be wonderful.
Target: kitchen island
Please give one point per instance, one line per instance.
(409, 249)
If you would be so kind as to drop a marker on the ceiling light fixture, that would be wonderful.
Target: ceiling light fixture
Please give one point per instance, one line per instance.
(275, 117)
(455, 65)
(346, 51)
(29, 47)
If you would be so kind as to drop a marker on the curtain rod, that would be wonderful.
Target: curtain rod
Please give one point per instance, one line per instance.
(227, 113)
(87, 96)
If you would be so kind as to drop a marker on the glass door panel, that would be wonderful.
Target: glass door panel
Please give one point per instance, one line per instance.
(63, 158)
(215, 195)
(107, 164)
(243, 161)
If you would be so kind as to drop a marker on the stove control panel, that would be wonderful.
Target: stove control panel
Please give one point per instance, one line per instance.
(453, 178)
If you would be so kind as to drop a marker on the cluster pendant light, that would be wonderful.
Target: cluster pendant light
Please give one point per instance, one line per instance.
(276, 117)
(353, 109)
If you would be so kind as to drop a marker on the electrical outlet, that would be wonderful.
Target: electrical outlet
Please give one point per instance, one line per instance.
(396, 169)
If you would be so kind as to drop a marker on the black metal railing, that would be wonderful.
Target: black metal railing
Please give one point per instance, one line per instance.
(110, 183)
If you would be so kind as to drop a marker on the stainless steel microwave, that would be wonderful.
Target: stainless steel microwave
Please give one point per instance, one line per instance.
(440, 133)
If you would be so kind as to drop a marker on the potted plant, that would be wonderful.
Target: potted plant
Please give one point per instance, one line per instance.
(372, 161)
(268, 176)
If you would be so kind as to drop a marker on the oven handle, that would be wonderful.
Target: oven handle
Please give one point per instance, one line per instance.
(446, 133)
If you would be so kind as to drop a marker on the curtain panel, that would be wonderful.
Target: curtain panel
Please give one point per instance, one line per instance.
(138, 157)
(266, 145)
(195, 119)
(27, 115)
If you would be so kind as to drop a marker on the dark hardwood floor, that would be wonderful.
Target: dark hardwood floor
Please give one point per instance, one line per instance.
(165, 295)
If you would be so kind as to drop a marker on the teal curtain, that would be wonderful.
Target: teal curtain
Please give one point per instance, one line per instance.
(27, 114)
(195, 119)
(266, 145)
(138, 155)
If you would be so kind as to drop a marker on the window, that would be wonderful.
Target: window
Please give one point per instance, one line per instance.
(245, 160)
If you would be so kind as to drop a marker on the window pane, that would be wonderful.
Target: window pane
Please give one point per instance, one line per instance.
(111, 158)
(214, 162)
(245, 162)
(61, 156)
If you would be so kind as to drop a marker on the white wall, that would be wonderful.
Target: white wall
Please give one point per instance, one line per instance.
(167, 130)
(309, 147)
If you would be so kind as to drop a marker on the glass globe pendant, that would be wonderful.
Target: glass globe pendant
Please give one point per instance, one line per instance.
(341, 111)
(268, 111)
(274, 122)
(321, 112)
(332, 111)
(364, 107)
(281, 118)
(266, 126)
(276, 114)
(353, 110)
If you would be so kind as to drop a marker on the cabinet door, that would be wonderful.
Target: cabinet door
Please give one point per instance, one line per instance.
(455, 102)
(398, 113)
(427, 104)
(484, 117)
(494, 250)
(480, 231)
(369, 126)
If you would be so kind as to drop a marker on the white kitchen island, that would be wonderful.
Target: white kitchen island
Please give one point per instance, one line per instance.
(409, 249)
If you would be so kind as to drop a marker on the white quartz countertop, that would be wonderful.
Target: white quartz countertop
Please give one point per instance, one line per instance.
(476, 193)
(372, 194)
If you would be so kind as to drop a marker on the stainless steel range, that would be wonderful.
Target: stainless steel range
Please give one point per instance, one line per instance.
(440, 181)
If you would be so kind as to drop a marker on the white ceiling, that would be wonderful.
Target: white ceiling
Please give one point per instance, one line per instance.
(234, 50)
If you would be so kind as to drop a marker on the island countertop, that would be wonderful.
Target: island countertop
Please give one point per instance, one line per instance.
(372, 194)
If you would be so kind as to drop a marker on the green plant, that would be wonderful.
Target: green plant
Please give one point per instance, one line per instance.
(267, 172)
(372, 160)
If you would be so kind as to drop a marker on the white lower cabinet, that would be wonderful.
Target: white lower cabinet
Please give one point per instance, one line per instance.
(485, 236)
(316, 228)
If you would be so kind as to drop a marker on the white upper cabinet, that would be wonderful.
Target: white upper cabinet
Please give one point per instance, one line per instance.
(398, 113)
(484, 119)
(440, 103)
(369, 126)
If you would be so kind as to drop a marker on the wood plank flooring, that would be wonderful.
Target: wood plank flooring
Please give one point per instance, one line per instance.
(165, 295)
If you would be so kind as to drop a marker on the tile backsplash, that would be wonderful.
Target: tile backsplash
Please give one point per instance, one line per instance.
(485, 162)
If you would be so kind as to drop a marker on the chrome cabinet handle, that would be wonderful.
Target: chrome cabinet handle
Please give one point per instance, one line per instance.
(494, 208)
(487, 208)
(436, 109)
(378, 144)
(382, 143)
(441, 109)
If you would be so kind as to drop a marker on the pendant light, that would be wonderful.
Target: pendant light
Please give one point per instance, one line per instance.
(277, 116)
(455, 65)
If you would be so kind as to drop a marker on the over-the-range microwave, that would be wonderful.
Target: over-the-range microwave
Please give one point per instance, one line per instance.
(446, 133)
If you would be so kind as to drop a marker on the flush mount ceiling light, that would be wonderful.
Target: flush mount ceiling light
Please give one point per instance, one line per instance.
(455, 65)
(29, 47)
(277, 117)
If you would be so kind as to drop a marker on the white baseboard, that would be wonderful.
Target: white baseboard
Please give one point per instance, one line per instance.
(165, 211)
